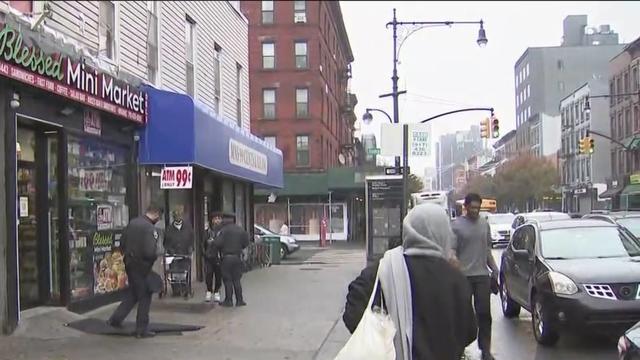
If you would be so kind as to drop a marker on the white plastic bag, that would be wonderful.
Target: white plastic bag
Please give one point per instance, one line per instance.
(373, 338)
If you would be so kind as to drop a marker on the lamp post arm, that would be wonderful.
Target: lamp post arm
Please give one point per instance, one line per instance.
(609, 138)
(457, 111)
(380, 111)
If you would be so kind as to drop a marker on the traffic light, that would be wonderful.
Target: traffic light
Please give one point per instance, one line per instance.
(495, 127)
(591, 145)
(484, 128)
(583, 146)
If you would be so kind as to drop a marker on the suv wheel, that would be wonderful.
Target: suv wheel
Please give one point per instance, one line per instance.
(510, 309)
(543, 328)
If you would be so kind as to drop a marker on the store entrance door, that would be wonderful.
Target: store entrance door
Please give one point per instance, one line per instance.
(37, 159)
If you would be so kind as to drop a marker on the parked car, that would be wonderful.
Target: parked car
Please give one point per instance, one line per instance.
(628, 220)
(539, 216)
(500, 225)
(629, 344)
(571, 274)
(288, 244)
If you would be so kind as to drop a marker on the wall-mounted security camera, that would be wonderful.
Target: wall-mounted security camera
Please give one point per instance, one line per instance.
(15, 101)
(46, 13)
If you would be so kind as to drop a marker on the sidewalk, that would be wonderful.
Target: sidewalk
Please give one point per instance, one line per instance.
(294, 312)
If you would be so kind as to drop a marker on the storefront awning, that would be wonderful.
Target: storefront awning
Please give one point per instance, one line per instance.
(183, 131)
(632, 189)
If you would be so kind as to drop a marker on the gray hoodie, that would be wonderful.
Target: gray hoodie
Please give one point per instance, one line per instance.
(427, 232)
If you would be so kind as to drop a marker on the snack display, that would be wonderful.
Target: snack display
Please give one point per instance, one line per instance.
(110, 273)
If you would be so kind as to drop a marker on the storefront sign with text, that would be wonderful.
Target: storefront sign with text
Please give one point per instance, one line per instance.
(94, 180)
(21, 59)
(248, 158)
(179, 177)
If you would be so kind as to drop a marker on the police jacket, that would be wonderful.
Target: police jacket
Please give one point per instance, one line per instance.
(179, 241)
(231, 240)
(139, 241)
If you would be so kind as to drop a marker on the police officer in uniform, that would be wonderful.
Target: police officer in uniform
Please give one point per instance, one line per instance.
(231, 240)
(139, 245)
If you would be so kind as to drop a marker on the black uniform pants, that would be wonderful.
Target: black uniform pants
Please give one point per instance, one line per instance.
(481, 291)
(138, 293)
(211, 269)
(231, 274)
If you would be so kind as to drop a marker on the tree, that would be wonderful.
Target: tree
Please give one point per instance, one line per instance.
(523, 180)
(415, 184)
(481, 184)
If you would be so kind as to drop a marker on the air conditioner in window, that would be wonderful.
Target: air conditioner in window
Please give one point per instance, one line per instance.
(300, 18)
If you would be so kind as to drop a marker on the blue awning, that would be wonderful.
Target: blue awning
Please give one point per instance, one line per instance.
(183, 131)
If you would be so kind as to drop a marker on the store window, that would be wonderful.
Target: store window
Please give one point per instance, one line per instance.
(240, 209)
(98, 212)
(227, 197)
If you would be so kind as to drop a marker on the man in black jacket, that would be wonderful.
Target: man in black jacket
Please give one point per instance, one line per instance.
(212, 259)
(443, 320)
(139, 245)
(178, 240)
(231, 241)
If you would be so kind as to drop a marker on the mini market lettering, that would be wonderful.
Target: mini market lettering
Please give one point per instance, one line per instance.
(101, 239)
(94, 88)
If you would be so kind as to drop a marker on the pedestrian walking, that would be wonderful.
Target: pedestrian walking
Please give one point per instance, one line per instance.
(472, 251)
(212, 259)
(428, 299)
(140, 248)
(231, 240)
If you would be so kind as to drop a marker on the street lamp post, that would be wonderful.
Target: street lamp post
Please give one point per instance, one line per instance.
(395, 94)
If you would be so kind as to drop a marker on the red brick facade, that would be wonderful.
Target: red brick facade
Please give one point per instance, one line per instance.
(328, 124)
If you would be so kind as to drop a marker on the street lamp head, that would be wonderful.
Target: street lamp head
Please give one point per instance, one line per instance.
(482, 36)
(367, 118)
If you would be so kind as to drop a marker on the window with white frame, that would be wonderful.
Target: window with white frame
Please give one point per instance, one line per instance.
(190, 46)
(302, 102)
(271, 140)
(268, 55)
(217, 74)
(107, 30)
(269, 103)
(152, 41)
(239, 94)
(299, 11)
(301, 55)
(267, 12)
(302, 150)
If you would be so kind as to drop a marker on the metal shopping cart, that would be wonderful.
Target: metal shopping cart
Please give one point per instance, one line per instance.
(177, 275)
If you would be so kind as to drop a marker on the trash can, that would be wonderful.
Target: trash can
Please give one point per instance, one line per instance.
(274, 248)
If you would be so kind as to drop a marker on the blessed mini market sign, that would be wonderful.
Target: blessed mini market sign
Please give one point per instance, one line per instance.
(56, 73)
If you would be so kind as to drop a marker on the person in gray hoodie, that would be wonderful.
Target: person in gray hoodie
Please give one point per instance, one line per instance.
(428, 299)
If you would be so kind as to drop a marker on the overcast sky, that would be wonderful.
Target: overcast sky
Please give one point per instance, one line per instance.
(443, 68)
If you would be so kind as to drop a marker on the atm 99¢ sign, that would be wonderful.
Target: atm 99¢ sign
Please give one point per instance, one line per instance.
(179, 177)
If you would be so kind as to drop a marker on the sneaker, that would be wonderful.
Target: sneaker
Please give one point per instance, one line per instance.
(208, 296)
(145, 334)
(241, 303)
(114, 324)
(216, 297)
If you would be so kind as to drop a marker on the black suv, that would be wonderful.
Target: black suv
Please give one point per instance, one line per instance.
(577, 274)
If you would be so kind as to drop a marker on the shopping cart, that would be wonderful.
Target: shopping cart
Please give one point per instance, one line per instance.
(177, 275)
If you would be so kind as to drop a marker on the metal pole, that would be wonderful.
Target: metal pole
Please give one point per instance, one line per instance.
(405, 173)
(394, 78)
(330, 221)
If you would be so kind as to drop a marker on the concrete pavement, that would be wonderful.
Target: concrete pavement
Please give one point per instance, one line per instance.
(294, 312)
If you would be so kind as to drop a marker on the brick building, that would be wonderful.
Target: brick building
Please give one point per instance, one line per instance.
(300, 66)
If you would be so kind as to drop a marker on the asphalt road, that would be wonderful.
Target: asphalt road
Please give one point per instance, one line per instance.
(513, 339)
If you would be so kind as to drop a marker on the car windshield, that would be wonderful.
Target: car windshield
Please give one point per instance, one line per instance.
(587, 242)
(501, 219)
(633, 224)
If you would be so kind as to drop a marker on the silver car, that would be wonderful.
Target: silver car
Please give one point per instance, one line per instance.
(288, 244)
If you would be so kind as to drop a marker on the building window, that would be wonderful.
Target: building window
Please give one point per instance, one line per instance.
(302, 150)
(267, 12)
(619, 89)
(560, 64)
(635, 79)
(269, 103)
(106, 30)
(613, 127)
(636, 119)
(268, 55)
(526, 71)
(152, 41)
(528, 91)
(620, 126)
(561, 86)
(299, 11)
(239, 93)
(217, 74)
(190, 39)
(626, 82)
(614, 164)
(302, 103)
(612, 92)
(301, 55)
(271, 140)
(627, 123)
